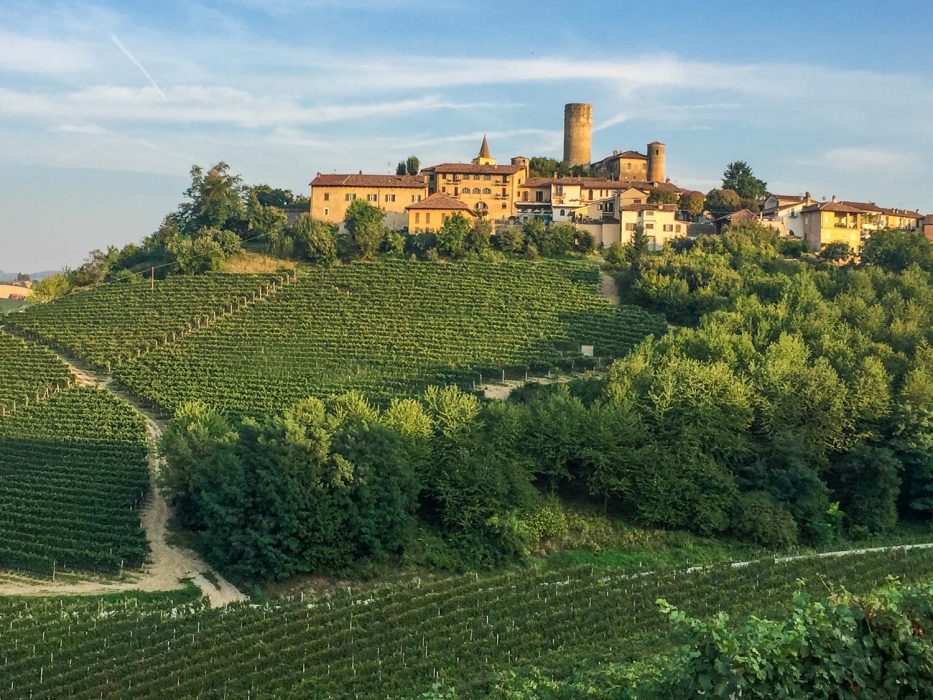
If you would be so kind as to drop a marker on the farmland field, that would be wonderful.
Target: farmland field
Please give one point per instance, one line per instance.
(392, 641)
(29, 372)
(114, 322)
(73, 473)
(391, 328)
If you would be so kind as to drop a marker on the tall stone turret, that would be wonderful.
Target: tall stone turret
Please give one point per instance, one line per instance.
(655, 161)
(578, 133)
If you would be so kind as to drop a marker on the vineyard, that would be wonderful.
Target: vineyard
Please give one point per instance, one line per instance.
(394, 641)
(30, 372)
(73, 472)
(392, 328)
(116, 322)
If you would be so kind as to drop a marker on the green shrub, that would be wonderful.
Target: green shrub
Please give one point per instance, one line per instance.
(762, 520)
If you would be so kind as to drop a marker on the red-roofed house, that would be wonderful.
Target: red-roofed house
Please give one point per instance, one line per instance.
(832, 222)
(431, 212)
(331, 195)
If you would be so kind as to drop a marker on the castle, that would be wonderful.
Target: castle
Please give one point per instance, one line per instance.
(610, 201)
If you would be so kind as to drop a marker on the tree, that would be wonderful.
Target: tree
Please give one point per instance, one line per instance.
(364, 223)
(264, 220)
(479, 237)
(658, 196)
(315, 240)
(637, 249)
(215, 199)
(268, 196)
(837, 251)
(739, 178)
(452, 236)
(557, 239)
(401, 168)
(51, 288)
(896, 250)
(721, 202)
(412, 165)
(693, 203)
(511, 240)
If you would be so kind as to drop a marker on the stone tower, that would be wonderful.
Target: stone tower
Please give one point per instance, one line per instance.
(578, 133)
(655, 161)
(484, 157)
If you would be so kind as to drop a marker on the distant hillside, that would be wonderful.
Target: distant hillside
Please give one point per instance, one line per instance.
(36, 276)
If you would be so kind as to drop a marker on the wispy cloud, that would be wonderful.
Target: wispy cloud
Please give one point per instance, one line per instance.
(142, 69)
(42, 56)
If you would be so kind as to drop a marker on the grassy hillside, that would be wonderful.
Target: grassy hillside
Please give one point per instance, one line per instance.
(396, 641)
(391, 328)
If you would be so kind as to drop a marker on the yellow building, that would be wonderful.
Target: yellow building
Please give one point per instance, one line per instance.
(331, 195)
(902, 218)
(431, 212)
(832, 222)
(488, 189)
(659, 221)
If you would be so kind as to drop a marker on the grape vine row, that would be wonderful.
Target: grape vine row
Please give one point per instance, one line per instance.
(393, 641)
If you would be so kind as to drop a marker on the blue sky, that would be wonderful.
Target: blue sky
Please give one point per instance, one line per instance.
(104, 106)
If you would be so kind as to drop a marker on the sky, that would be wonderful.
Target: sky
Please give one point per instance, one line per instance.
(105, 106)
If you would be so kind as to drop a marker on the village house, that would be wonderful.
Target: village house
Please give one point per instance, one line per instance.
(332, 195)
(832, 222)
(429, 214)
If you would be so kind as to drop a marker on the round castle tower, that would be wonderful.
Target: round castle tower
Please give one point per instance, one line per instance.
(655, 161)
(578, 133)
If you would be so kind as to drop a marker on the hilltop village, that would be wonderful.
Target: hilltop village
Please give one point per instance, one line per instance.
(609, 198)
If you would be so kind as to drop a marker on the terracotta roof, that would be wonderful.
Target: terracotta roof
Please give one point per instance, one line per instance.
(648, 207)
(903, 213)
(631, 155)
(439, 200)
(928, 220)
(837, 207)
(361, 180)
(538, 181)
(474, 169)
(587, 182)
(484, 148)
(864, 206)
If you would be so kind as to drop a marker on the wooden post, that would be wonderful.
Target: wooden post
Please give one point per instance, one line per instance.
(152, 279)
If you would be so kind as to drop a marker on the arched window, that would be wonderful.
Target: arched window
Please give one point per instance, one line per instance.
(486, 190)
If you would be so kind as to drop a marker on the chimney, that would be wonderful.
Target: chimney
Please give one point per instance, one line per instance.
(833, 198)
(361, 172)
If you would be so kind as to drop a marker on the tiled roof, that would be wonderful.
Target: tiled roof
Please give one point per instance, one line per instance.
(788, 197)
(474, 169)
(837, 207)
(439, 200)
(587, 182)
(903, 213)
(625, 154)
(361, 180)
(865, 206)
(738, 216)
(648, 207)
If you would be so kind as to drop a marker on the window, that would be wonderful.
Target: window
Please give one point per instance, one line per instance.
(504, 206)
(678, 228)
(457, 191)
(629, 227)
(649, 226)
(561, 212)
(487, 177)
(443, 189)
(327, 196)
(504, 192)
(390, 197)
(486, 190)
(372, 198)
(417, 217)
(427, 217)
(349, 197)
(637, 201)
(326, 211)
(525, 196)
(669, 228)
(539, 196)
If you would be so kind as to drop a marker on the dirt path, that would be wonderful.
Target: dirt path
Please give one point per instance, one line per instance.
(168, 564)
(608, 288)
